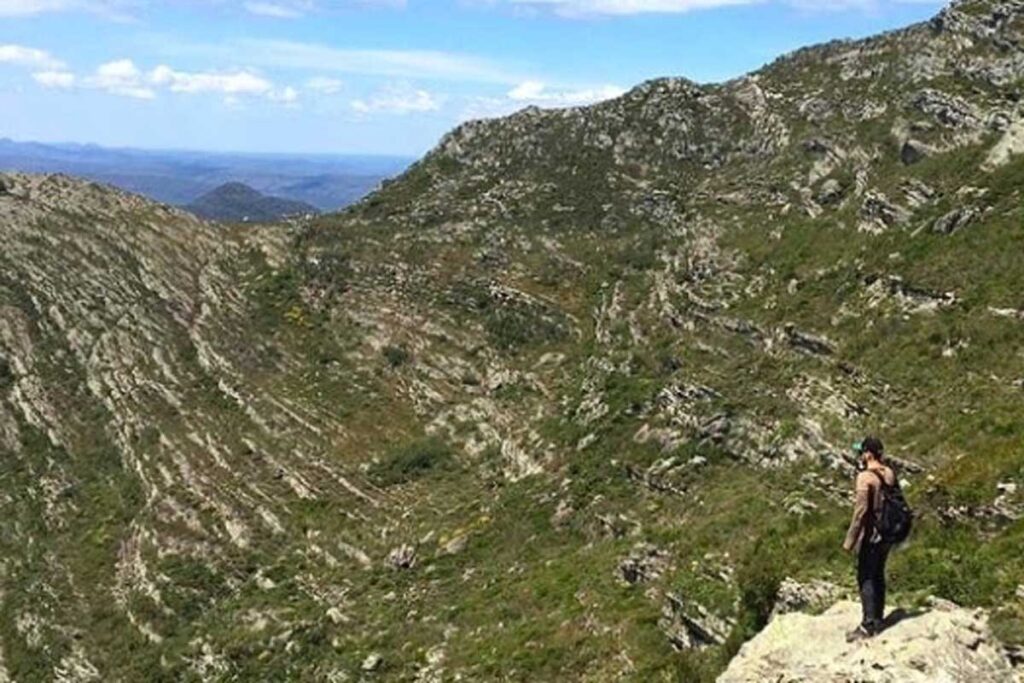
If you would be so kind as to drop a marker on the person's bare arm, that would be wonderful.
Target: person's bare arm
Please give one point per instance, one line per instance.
(860, 509)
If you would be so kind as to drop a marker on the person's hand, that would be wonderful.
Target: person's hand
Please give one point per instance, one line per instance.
(847, 546)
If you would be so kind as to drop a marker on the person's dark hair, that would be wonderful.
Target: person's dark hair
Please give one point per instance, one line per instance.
(873, 444)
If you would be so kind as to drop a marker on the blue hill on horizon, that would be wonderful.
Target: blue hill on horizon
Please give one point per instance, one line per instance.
(326, 181)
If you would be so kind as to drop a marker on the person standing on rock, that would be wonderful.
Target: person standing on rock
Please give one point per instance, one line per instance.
(864, 539)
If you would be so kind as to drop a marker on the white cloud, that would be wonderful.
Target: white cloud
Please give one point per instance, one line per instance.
(121, 77)
(54, 79)
(577, 8)
(324, 85)
(232, 83)
(287, 96)
(29, 56)
(398, 99)
(24, 8)
(536, 92)
(275, 10)
(112, 9)
(121, 9)
(401, 64)
(591, 8)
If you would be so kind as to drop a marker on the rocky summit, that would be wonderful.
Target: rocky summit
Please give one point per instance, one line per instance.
(945, 644)
(571, 399)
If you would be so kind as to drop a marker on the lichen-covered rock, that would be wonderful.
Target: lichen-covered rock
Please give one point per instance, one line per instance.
(794, 596)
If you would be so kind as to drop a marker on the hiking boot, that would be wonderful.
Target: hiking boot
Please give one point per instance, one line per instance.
(859, 633)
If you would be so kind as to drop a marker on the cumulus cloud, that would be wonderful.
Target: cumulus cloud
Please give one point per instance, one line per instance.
(54, 79)
(399, 64)
(324, 85)
(591, 8)
(232, 83)
(398, 99)
(126, 9)
(276, 10)
(24, 8)
(20, 55)
(287, 96)
(118, 10)
(121, 77)
(577, 8)
(536, 92)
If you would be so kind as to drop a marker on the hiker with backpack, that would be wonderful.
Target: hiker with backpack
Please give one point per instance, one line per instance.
(881, 519)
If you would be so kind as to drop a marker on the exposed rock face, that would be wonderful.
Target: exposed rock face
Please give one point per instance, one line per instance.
(794, 596)
(645, 563)
(955, 220)
(689, 625)
(946, 644)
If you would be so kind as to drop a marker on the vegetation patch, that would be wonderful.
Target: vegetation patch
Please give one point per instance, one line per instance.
(413, 461)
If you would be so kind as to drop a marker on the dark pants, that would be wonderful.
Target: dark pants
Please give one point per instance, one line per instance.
(871, 583)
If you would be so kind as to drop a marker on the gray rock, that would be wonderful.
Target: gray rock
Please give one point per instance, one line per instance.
(794, 596)
(917, 193)
(878, 209)
(372, 662)
(946, 643)
(717, 428)
(808, 342)
(914, 151)
(402, 557)
(691, 626)
(949, 110)
(830, 192)
(645, 563)
(955, 220)
(456, 545)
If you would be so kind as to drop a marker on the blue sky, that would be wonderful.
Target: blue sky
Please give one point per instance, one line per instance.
(371, 76)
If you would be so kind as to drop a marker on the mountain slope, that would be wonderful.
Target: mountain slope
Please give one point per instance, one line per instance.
(237, 202)
(566, 401)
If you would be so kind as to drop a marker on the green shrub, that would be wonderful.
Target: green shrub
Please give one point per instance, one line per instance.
(6, 375)
(396, 356)
(413, 461)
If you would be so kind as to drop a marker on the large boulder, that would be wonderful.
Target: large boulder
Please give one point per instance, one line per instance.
(946, 644)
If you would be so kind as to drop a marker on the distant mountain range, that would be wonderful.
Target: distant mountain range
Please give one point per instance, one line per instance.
(238, 202)
(327, 182)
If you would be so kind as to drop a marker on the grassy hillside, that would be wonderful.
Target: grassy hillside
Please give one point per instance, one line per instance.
(566, 401)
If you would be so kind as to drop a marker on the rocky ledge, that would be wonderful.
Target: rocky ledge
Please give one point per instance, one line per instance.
(945, 644)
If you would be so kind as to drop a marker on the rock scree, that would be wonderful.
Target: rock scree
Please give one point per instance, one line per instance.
(945, 644)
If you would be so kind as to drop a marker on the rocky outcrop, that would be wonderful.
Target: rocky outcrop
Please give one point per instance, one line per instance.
(955, 220)
(945, 644)
(690, 625)
(794, 596)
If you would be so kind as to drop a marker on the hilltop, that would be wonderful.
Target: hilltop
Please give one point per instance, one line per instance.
(570, 399)
(237, 202)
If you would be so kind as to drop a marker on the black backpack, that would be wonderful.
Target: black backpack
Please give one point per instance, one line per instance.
(894, 521)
